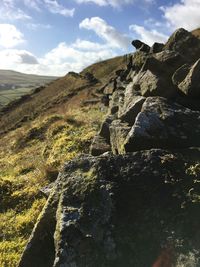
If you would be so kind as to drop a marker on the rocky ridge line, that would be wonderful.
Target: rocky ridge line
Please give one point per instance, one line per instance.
(136, 197)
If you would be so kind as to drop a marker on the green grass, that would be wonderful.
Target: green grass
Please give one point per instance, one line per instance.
(38, 135)
(7, 96)
(30, 158)
(15, 84)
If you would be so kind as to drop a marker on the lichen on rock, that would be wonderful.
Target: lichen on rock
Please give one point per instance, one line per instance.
(135, 200)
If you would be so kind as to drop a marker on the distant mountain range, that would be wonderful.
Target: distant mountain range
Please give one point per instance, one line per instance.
(15, 84)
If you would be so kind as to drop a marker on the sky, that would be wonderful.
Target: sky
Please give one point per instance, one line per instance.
(53, 37)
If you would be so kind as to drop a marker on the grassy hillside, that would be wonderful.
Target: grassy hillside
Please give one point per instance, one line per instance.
(69, 89)
(15, 84)
(38, 134)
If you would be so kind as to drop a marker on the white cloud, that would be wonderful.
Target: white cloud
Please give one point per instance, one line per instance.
(34, 4)
(148, 36)
(14, 58)
(106, 32)
(58, 61)
(36, 26)
(54, 7)
(27, 58)
(74, 57)
(88, 46)
(185, 14)
(113, 3)
(10, 36)
(9, 11)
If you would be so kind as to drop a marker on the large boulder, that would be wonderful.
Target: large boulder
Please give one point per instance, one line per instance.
(153, 84)
(190, 86)
(185, 43)
(163, 124)
(118, 133)
(99, 146)
(155, 75)
(170, 60)
(180, 74)
(141, 46)
(130, 110)
(126, 210)
(116, 101)
(156, 47)
(104, 131)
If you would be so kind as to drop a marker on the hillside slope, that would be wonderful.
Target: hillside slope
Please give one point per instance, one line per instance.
(71, 88)
(39, 132)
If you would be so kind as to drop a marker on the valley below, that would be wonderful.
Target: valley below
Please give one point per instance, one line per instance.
(14, 84)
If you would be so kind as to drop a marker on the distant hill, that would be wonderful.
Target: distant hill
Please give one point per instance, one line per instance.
(15, 84)
(72, 89)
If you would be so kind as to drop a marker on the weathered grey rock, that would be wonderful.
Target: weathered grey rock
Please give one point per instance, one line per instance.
(129, 76)
(131, 109)
(155, 76)
(40, 249)
(141, 46)
(170, 60)
(46, 190)
(132, 90)
(104, 131)
(156, 48)
(116, 101)
(139, 59)
(114, 211)
(191, 84)
(191, 103)
(163, 124)
(90, 77)
(105, 100)
(110, 87)
(99, 146)
(122, 74)
(120, 84)
(153, 84)
(185, 43)
(151, 63)
(119, 72)
(118, 134)
(180, 74)
(127, 210)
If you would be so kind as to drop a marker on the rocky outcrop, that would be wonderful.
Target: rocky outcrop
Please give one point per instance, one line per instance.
(163, 124)
(119, 211)
(191, 84)
(135, 201)
(185, 43)
(140, 46)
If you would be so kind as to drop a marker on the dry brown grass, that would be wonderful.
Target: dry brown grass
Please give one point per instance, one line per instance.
(70, 90)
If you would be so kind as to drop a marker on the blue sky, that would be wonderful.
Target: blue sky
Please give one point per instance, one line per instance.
(53, 37)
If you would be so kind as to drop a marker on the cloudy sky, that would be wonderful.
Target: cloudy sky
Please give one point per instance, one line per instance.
(53, 37)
